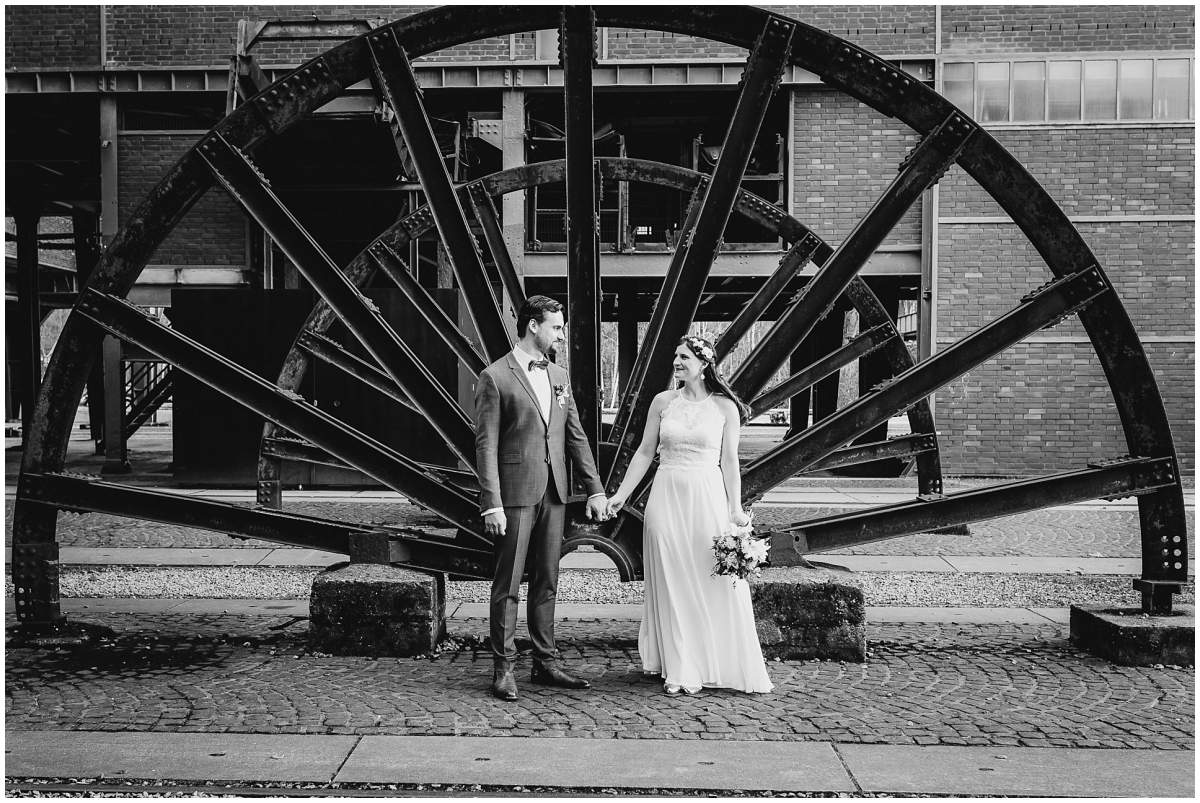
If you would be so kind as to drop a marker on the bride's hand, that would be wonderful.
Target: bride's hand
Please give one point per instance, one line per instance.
(615, 503)
(740, 518)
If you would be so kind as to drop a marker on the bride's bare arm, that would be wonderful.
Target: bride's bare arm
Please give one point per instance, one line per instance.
(644, 456)
(730, 471)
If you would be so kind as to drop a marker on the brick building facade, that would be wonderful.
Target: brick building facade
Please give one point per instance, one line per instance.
(1121, 165)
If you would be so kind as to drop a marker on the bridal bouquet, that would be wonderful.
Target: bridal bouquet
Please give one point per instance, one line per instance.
(739, 554)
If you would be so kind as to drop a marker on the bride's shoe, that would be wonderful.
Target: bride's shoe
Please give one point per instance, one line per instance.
(672, 689)
(692, 689)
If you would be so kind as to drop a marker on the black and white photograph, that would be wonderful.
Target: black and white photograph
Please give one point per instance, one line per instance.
(651, 401)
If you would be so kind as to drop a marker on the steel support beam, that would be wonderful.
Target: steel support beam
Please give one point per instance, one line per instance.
(1043, 307)
(29, 304)
(358, 313)
(1130, 476)
(436, 319)
(116, 456)
(789, 267)
(333, 353)
(410, 547)
(923, 166)
(79, 494)
(493, 234)
(284, 408)
(397, 84)
(85, 233)
(293, 449)
(864, 343)
(764, 68)
(577, 48)
(901, 446)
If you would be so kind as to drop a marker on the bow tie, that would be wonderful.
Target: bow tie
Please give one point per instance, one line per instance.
(538, 364)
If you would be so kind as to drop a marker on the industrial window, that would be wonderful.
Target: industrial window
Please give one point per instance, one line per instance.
(1064, 90)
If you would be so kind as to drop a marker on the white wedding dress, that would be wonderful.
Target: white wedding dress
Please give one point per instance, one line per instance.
(697, 630)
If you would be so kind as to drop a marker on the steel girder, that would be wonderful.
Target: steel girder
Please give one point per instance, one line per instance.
(384, 55)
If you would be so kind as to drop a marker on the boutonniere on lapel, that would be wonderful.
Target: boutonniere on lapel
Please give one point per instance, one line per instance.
(561, 395)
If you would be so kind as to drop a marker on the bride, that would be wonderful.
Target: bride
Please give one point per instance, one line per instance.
(697, 630)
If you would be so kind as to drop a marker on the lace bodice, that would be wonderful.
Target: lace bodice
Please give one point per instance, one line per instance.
(689, 433)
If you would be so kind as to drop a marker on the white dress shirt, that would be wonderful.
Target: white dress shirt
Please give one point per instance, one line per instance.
(539, 380)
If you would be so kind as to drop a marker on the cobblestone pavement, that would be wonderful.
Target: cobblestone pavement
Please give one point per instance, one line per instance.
(1061, 533)
(991, 685)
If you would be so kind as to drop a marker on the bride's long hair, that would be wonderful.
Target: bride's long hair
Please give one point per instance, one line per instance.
(713, 380)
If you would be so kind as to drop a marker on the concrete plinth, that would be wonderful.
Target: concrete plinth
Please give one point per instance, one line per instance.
(376, 609)
(1129, 637)
(805, 613)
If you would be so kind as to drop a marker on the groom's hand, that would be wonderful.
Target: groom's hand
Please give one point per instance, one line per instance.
(597, 508)
(494, 524)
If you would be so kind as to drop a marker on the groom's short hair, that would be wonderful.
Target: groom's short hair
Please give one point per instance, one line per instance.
(535, 309)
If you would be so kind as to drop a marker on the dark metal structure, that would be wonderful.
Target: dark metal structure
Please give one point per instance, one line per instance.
(298, 430)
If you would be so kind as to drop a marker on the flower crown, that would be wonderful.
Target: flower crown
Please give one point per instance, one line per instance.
(701, 348)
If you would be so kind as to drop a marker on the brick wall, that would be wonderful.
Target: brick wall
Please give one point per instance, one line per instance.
(51, 37)
(212, 233)
(883, 29)
(845, 154)
(60, 37)
(983, 271)
(1045, 406)
(145, 36)
(1039, 29)
(1092, 171)
(887, 30)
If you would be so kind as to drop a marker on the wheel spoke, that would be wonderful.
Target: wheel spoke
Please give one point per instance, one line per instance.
(284, 408)
(637, 386)
(397, 83)
(333, 353)
(284, 448)
(493, 235)
(901, 446)
(1125, 477)
(436, 319)
(792, 263)
(82, 495)
(578, 42)
(1043, 307)
(360, 316)
(407, 546)
(863, 343)
(923, 167)
(764, 68)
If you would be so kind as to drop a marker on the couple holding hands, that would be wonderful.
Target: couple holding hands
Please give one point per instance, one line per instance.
(697, 630)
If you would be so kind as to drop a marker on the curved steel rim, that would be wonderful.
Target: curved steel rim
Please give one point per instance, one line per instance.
(837, 62)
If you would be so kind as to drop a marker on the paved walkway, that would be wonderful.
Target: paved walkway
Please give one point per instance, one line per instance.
(603, 765)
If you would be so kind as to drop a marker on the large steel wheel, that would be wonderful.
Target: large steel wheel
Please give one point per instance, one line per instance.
(298, 429)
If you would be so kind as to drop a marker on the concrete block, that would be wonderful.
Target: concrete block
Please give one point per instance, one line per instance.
(1129, 637)
(805, 613)
(376, 609)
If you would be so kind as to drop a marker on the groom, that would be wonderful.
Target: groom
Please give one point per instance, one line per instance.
(525, 426)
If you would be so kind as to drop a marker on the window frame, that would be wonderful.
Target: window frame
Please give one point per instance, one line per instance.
(1083, 59)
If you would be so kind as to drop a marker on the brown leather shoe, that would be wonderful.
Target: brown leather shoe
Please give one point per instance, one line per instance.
(504, 684)
(551, 675)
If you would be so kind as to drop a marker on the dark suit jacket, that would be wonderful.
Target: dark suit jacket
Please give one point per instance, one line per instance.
(515, 448)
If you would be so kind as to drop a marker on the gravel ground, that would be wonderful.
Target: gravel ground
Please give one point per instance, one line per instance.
(604, 586)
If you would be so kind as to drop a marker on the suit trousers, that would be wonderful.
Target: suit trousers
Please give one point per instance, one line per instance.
(532, 542)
